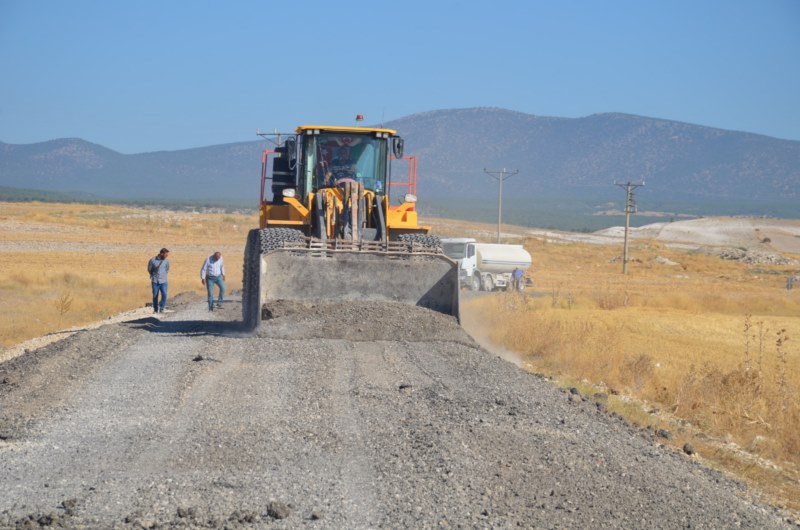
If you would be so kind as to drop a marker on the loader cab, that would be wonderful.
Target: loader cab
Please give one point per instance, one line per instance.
(331, 158)
(338, 161)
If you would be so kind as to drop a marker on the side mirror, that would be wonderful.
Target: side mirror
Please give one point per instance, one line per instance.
(291, 152)
(397, 146)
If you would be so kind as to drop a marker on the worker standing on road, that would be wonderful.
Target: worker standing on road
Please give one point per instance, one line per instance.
(213, 272)
(158, 267)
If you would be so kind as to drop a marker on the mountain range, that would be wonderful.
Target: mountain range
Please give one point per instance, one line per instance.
(569, 157)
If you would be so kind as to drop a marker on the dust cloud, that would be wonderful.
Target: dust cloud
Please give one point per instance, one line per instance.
(473, 322)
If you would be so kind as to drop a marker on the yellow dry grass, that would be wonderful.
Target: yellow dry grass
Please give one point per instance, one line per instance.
(95, 258)
(709, 348)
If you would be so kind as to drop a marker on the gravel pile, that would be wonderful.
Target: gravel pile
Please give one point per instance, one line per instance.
(353, 415)
(756, 257)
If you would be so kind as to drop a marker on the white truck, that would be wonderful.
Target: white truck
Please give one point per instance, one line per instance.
(487, 266)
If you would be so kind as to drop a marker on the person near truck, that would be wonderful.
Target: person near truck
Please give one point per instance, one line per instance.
(158, 267)
(517, 278)
(213, 273)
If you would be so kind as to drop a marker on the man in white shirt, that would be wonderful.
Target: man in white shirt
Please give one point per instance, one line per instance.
(213, 272)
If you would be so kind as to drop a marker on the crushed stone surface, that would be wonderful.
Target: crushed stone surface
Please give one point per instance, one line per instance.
(349, 415)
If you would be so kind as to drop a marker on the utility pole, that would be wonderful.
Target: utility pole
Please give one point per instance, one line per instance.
(500, 176)
(630, 207)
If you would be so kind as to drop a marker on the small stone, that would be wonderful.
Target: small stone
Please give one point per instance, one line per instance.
(198, 358)
(663, 433)
(278, 510)
(69, 506)
(688, 449)
(574, 391)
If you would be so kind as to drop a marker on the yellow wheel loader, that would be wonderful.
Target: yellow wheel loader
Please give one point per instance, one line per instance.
(329, 229)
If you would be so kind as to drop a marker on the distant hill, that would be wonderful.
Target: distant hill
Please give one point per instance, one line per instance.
(584, 156)
(569, 157)
(222, 172)
(25, 195)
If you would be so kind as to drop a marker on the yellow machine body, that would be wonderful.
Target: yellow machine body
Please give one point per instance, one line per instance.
(328, 228)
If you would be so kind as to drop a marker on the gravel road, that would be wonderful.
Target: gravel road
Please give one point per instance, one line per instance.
(358, 415)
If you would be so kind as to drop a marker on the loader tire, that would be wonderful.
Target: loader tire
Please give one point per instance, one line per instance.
(251, 278)
(431, 242)
(259, 242)
(272, 238)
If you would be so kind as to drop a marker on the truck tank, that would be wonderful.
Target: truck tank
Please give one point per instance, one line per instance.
(499, 258)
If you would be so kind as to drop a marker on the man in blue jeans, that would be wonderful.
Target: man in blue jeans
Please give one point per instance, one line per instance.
(213, 273)
(158, 267)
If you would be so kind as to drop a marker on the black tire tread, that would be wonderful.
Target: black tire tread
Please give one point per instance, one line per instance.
(259, 241)
(251, 314)
(426, 240)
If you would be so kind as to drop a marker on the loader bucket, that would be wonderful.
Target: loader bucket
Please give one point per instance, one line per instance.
(422, 279)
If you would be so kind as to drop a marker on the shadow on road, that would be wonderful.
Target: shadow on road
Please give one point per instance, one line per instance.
(189, 327)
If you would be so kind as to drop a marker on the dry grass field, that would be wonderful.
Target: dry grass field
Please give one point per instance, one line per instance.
(64, 265)
(706, 348)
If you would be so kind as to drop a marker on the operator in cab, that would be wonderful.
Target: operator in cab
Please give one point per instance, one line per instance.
(343, 167)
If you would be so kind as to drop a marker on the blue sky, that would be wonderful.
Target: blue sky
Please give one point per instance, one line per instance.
(165, 75)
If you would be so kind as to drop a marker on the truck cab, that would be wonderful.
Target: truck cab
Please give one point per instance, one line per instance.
(462, 251)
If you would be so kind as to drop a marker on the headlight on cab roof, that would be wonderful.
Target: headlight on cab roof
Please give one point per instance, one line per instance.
(410, 197)
(288, 192)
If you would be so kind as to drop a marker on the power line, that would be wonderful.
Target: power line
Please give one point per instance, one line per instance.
(500, 176)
